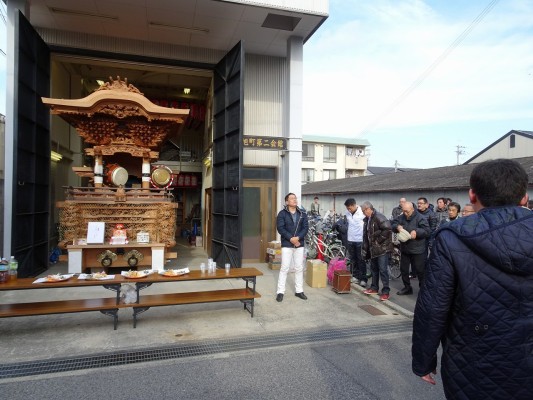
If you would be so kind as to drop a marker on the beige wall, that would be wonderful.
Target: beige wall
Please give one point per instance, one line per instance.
(523, 148)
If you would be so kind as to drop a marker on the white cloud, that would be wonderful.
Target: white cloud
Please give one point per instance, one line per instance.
(358, 66)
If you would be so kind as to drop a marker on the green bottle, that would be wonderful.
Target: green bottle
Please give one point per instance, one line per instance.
(13, 268)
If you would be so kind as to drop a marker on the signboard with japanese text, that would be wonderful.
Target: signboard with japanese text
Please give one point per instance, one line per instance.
(264, 142)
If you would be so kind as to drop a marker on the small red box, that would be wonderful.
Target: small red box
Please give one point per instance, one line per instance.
(341, 281)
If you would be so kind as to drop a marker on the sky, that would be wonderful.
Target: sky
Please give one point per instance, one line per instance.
(419, 78)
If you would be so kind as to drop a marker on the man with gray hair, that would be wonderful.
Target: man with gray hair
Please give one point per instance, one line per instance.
(377, 243)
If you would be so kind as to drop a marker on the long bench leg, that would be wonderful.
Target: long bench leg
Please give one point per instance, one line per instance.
(112, 313)
(249, 306)
(136, 311)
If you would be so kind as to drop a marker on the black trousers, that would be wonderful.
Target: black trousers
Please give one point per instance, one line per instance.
(417, 263)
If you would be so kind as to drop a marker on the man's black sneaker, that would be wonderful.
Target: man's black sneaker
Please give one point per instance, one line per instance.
(405, 291)
(279, 297)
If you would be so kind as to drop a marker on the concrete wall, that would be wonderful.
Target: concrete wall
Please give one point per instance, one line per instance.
(383, 202)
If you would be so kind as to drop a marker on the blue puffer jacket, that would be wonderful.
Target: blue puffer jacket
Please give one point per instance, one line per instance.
(477, 301)
(288, 229)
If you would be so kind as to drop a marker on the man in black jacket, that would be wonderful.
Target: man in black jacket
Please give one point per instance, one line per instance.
(477, 300)
(377, 244)
(414, 248)
(292, 226)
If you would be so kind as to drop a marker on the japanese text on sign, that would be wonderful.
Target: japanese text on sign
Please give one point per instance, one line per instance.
(265, 142)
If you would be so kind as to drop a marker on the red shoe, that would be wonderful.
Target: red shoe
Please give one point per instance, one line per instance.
(370, 291)
(384, 297)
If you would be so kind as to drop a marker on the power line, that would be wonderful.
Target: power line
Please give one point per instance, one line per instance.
(418, 81)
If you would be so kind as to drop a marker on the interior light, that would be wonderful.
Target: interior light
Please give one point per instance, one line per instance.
(160, 25)
(100, 82)
(77, 13)
(186, 90)
(55, 156)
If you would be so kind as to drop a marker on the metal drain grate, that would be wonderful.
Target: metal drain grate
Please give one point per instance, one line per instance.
(191, 350)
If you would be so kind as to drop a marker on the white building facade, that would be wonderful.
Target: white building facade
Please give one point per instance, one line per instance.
(244, 59)
(326, 158)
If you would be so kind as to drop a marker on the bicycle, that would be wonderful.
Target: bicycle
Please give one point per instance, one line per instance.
(394, 263)
(329, 247)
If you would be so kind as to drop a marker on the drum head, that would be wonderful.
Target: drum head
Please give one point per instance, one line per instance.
(119, 176)
(161, 176)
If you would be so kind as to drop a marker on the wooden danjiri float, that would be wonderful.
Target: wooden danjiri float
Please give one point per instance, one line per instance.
(123, 132)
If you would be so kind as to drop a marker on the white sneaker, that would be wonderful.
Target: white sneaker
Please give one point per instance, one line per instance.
(362, 284)
(354, 280)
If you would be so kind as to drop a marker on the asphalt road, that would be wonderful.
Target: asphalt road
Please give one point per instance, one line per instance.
(365, 367)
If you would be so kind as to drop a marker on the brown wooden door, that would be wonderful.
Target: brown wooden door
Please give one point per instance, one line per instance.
(258, 219)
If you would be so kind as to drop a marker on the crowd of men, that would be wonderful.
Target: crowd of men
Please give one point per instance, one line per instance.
(476, 297)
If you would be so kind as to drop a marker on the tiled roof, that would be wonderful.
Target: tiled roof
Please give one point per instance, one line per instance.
(442, 178)
(387, 170)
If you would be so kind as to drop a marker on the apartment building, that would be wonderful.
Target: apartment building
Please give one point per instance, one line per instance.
(325, 158)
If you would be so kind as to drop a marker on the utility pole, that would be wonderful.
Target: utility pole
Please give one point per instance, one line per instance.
(459, 152)
(396, 166)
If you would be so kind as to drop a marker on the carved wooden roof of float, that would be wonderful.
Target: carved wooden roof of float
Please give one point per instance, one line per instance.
(117, 113)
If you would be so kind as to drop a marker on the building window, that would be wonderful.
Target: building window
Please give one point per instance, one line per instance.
(354, 152)
(308, 152)
(308, 175)
(512, 141)
(330, 153)
(329, 174)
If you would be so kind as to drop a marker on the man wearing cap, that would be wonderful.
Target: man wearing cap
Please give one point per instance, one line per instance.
(414, 231)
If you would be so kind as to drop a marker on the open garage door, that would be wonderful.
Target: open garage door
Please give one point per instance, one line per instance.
(29, 192)
(227, 158)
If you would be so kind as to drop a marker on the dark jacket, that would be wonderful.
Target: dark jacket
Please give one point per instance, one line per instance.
(377, 236)
(431, 217)
(477, 300)
(416, 223)
(396, 212)
(341, 226)
(288, 229)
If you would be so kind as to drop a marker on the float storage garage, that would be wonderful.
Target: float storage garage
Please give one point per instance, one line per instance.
(241, 60)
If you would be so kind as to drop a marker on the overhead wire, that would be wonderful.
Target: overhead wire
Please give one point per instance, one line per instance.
(418, 81)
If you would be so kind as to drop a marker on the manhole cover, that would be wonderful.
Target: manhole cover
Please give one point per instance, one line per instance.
(372, 310)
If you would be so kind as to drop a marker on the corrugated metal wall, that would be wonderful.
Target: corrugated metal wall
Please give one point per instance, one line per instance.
(265, 80)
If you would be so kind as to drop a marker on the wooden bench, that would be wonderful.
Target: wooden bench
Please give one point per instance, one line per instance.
(246, 296)
(107, 306)
(110, 305)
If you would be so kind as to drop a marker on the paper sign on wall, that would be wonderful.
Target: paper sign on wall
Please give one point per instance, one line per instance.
(96, 233)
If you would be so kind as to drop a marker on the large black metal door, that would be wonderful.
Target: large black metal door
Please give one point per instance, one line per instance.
(31, 158)
(227, 158)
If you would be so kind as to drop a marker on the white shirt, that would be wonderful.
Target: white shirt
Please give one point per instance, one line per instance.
(355, 225)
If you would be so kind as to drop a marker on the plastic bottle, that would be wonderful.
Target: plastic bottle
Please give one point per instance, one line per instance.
(4, 270)
(13, 268)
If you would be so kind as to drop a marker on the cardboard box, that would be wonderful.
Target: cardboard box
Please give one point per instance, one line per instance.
(316, 275)
(275, 244)
(274, 251)
(274, 265)
(274, 259)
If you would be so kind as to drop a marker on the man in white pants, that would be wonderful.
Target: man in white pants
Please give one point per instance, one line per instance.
(292, 226)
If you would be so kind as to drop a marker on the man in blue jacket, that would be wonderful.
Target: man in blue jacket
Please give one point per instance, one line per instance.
(292, 226)
(477, 300)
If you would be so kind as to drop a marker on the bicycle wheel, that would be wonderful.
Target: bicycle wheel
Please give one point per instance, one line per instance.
(312, 252)
(335, 251)
(394, 268)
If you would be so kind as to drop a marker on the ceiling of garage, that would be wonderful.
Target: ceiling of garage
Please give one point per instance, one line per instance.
(211, 24)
